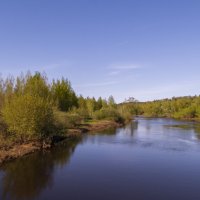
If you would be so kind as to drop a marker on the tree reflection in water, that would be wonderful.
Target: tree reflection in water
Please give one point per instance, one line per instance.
(197, 131)
(27, 177)
(131, 128)
(194, 126)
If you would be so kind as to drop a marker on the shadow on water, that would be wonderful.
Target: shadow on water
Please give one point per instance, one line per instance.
(27, 177)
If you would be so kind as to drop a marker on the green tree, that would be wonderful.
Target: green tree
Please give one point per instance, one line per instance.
(29, 117)
(99, 103)
(90, 103)
(36, 85)
(111, 101)
(63, 95)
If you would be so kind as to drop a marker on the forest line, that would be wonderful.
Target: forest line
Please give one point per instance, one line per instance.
(32, 108)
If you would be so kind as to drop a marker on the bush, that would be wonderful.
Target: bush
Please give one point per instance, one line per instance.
(189, 112)
(125, 112)
(64, 120)
(29, 117)
(83, 112)
(108, 113)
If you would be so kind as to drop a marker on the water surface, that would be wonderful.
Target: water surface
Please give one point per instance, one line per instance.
(150, 159)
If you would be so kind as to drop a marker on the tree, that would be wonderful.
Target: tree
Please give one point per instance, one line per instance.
(99, 103)
(29, 117)
(1, 93)
(28, 109)
(90, 103)
(37, 85)
(111, 101)
(63, 95)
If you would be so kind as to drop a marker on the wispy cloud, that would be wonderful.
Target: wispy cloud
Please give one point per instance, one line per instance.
(49, 67)
(96, 84)
(116, 69)
(125, 67)
(113, 73)
(53, 66)
(167, 91)
(46, 67)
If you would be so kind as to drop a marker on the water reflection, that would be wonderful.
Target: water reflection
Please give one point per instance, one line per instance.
(131, 128)
(123, 135)
(108, 131)
(27, 177)
(189, 126)
(148, 159)
(197, 131)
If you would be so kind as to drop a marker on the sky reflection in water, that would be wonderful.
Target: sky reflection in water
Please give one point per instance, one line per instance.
(147, 159)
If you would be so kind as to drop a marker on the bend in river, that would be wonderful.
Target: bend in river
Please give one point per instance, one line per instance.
(154, 159)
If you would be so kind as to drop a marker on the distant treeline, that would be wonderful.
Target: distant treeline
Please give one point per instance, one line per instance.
(31, 107)
(187, 107)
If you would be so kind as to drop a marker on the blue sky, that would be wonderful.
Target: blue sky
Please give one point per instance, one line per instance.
(147, 49)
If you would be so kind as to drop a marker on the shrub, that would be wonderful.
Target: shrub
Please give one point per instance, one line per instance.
(28, 117)
(189, 112)
(83, 112)
(108, 113)
(64, 120)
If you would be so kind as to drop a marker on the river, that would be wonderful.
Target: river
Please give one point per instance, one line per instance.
(149, 159)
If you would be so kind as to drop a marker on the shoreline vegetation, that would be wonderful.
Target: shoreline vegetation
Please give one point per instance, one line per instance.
(19, 150)
(35, 114)
(182, 108)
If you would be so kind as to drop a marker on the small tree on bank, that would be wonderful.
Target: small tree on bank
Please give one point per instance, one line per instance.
(29, 117)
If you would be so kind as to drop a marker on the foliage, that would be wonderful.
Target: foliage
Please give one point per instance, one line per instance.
(108, 113)
(64, 95)
(31, 107)
(28, 117)
(27, 108)
(180, 107)
(65, 120)
(35, 85)
(111, 101)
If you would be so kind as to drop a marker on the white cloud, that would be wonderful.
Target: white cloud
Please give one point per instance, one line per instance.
(113, 73)
(166, 91)
(36, 67)
(120, 68)
(53, 66)
(96, 84)
(125, 67)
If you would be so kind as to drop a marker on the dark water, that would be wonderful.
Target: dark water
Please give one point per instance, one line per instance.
(151, 159)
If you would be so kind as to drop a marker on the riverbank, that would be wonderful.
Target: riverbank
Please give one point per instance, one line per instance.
(19, 150)
(166, 117)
